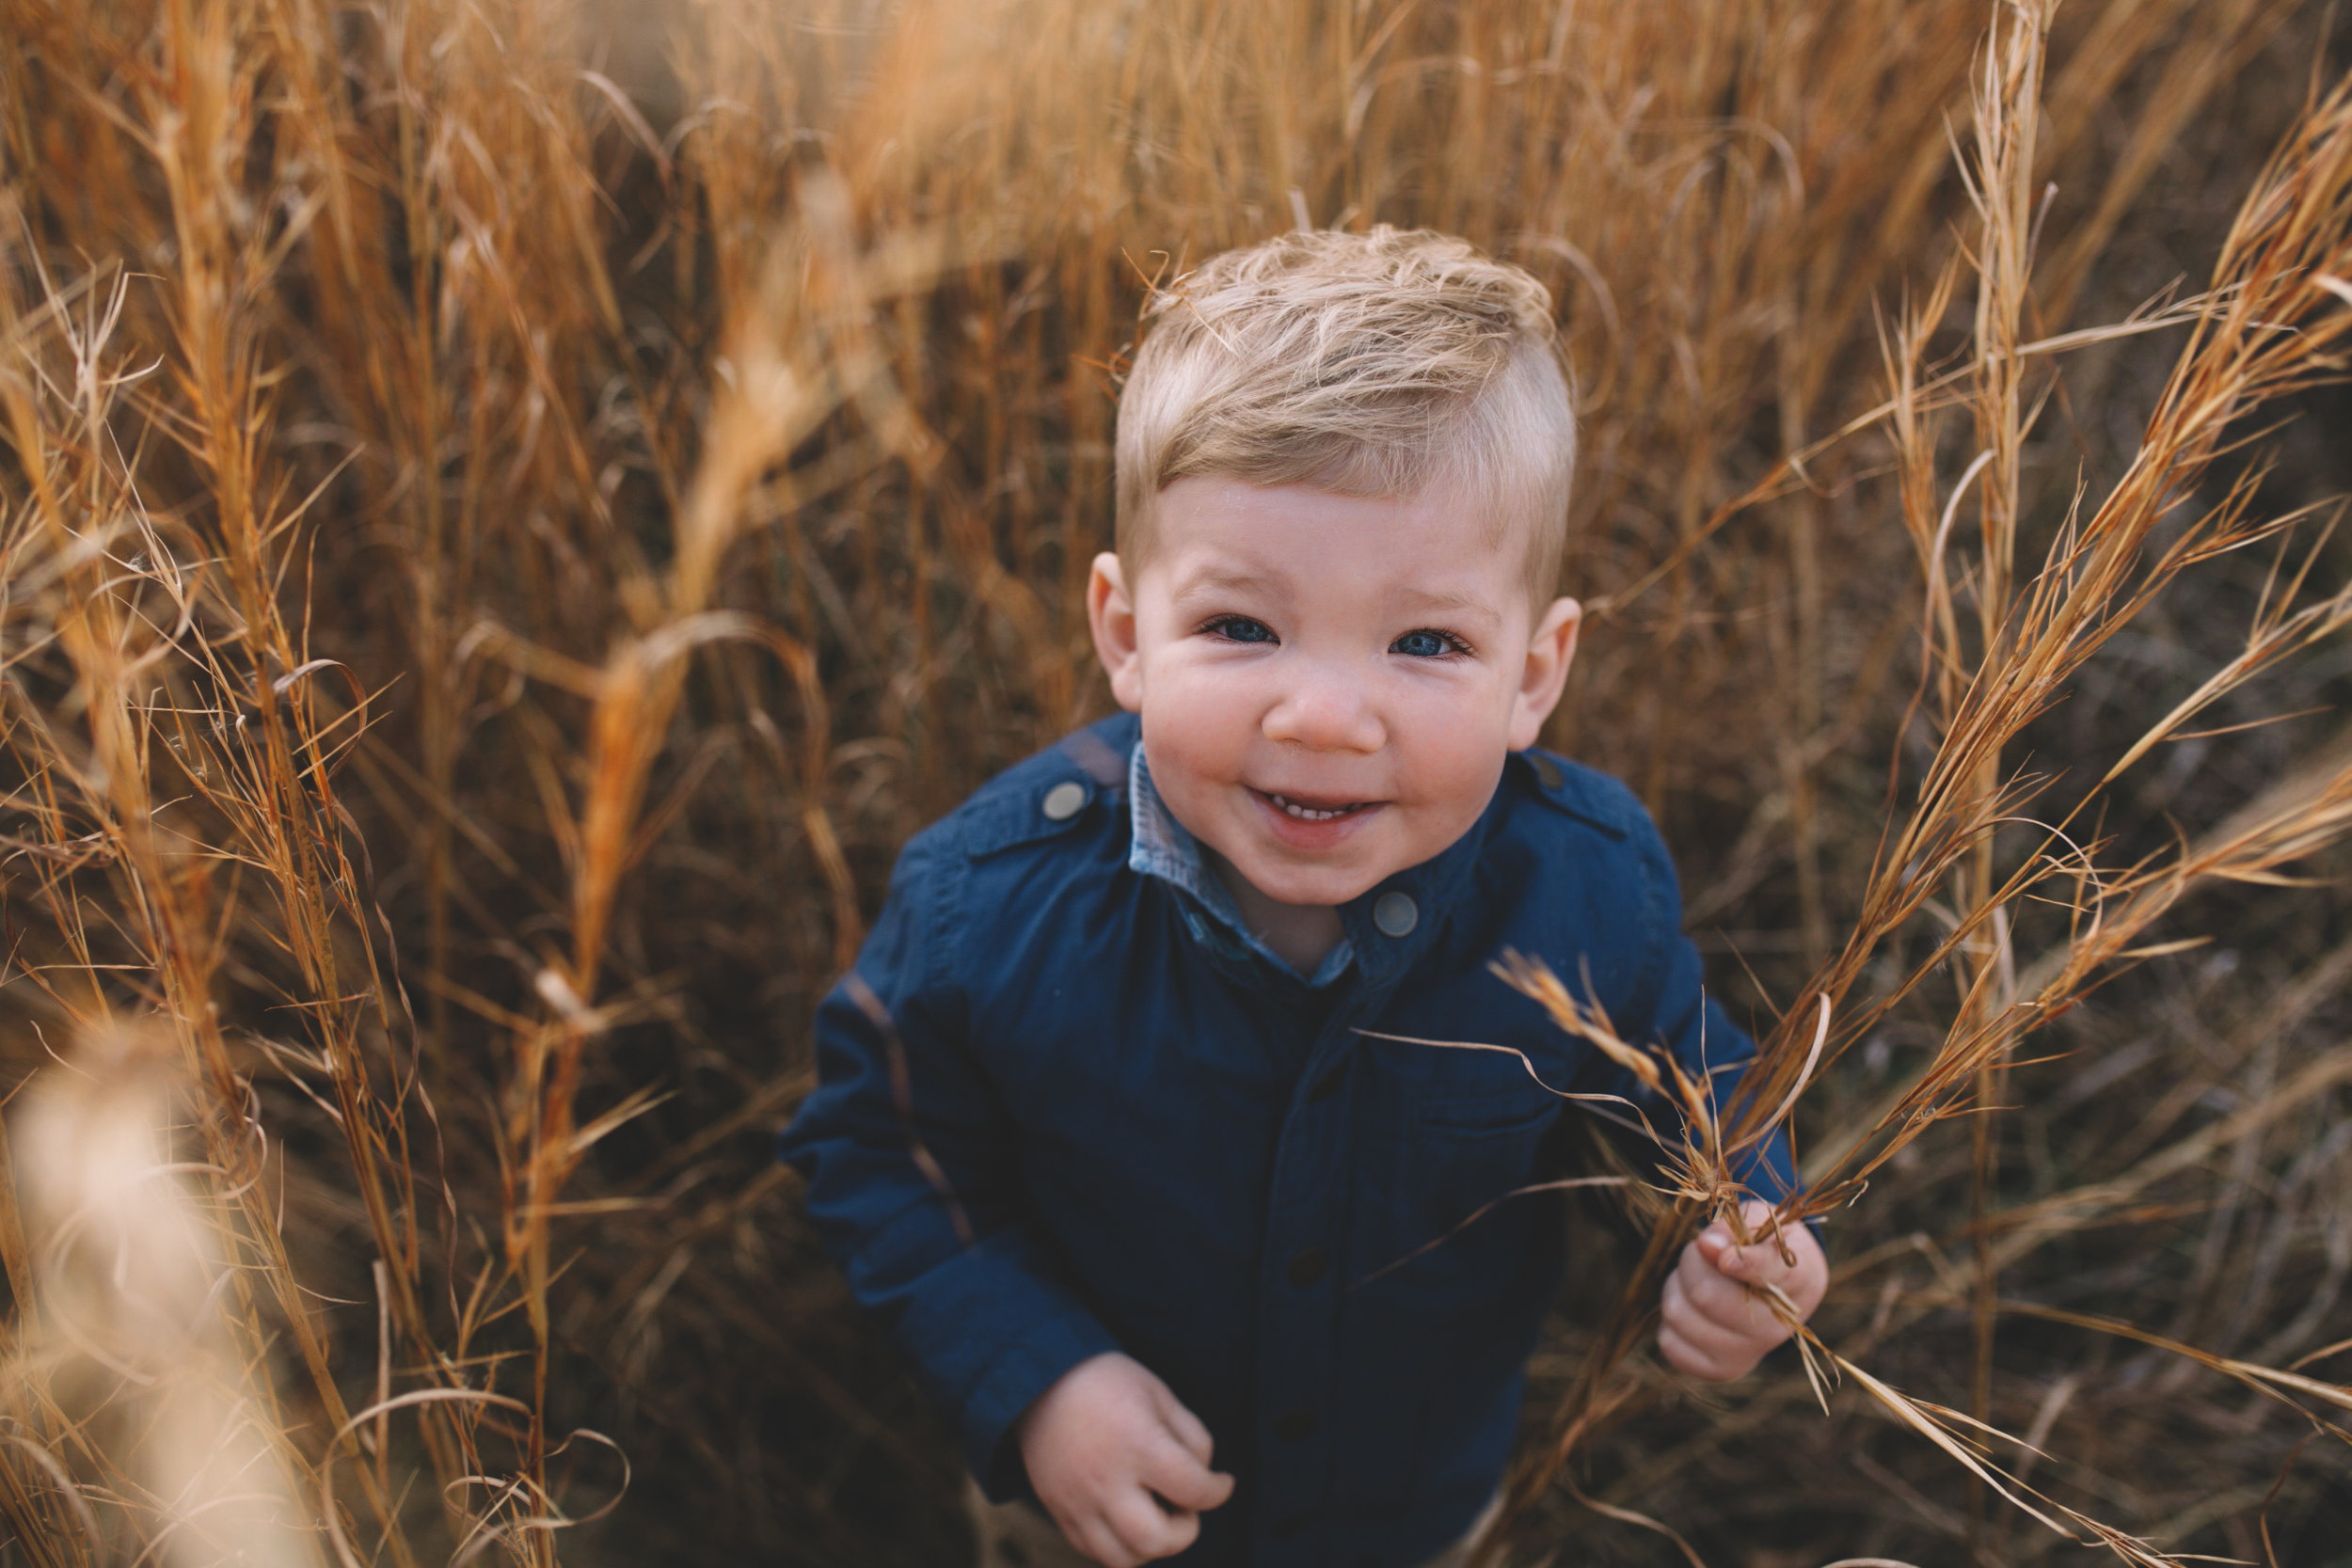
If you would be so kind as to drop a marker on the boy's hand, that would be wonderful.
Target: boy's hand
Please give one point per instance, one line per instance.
(1121, 1464)
(1714, 1325)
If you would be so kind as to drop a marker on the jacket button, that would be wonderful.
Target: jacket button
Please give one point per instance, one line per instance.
(1308, 1265)
(1295, 1426)
(1065, 800)
(1326, 1086)
(1397, 914)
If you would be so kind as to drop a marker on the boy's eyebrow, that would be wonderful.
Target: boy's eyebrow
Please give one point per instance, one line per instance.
(1231, 579)
(1226, 580)
(1435, 599)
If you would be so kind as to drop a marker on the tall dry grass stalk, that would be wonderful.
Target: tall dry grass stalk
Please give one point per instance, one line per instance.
(2272, 322)
(512, 514)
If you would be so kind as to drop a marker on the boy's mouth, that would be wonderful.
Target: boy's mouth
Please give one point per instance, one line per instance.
(1314, 811)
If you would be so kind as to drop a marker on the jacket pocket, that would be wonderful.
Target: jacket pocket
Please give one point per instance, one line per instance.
(1494, 1113)
(1456, 1272)
(1453, 1165)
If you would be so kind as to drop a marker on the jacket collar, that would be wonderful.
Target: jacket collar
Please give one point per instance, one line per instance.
(1385, 928)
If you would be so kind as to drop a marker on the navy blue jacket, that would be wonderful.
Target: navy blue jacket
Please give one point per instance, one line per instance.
(1068, 1106)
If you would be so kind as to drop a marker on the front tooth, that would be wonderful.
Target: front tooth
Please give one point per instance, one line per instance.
(1308, 814)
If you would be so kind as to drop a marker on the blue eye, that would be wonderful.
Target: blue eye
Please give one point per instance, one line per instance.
(1427, 645)
(1240, 628)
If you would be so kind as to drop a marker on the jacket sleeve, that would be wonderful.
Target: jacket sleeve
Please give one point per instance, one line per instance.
(1678, 1013)
(914, 1185)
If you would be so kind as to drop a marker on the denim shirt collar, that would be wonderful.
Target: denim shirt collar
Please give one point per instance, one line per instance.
(1165, 848)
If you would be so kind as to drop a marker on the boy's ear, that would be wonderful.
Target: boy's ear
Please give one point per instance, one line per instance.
(1550, 650)
(1111, 613)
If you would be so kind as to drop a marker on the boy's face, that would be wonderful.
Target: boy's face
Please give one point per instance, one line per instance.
(1328, 683)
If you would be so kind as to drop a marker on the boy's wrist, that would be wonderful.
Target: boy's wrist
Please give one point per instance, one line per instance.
(1015, 1382)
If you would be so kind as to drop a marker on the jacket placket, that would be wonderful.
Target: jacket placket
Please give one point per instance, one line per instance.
(1302, 1269)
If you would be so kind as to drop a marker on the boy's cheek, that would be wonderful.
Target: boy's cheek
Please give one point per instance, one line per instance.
(1454, 755)
(1196, 744)
(1128, 684)
(1200, 713)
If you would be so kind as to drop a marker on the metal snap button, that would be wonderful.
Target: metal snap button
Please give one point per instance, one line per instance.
(1395, 914)
(1065, 800)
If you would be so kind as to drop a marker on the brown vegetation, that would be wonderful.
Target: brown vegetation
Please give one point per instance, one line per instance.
(509, 520)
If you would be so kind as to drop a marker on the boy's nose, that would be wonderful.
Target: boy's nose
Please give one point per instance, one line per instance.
(1329, 713)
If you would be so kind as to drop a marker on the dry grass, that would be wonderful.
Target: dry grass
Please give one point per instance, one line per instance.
(505, 532)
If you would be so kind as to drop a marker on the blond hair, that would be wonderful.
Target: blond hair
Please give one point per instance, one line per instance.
(1376, 364)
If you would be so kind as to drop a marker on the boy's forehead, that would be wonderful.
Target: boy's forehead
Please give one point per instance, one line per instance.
(1434, 550)
(1448, 518)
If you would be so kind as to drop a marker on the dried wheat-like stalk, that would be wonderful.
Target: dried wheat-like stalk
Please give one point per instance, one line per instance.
(2278, 322)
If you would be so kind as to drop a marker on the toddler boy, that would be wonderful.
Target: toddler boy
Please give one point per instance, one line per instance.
(1130, 1124)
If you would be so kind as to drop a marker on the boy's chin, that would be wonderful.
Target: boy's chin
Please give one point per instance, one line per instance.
(1308, 885)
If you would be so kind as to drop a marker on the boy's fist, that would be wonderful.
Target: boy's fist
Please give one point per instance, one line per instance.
(1121, 1465)
(1714, 1326)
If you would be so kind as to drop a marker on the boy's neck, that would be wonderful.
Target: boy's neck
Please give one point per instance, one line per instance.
(1301, 935)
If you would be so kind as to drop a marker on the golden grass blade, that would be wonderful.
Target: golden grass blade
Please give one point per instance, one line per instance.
(2268, 1379)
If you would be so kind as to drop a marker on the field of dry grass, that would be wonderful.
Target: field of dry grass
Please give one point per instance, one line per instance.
(510, 513)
